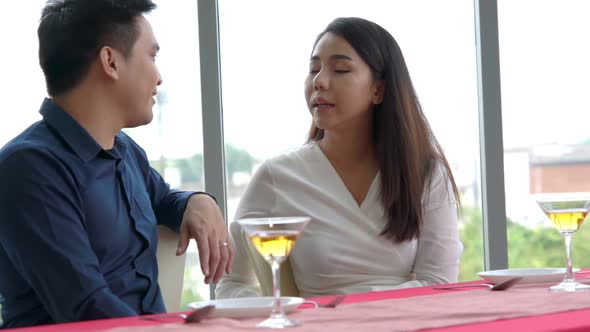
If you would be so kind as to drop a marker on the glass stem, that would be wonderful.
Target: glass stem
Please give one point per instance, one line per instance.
(569, 272)
(277, 310)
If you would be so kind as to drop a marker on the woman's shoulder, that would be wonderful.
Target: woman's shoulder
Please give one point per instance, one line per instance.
(439, 186)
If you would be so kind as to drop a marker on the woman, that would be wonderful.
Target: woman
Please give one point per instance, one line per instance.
(372, 177)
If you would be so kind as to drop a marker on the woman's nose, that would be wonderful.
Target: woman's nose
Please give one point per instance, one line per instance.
(320, 81)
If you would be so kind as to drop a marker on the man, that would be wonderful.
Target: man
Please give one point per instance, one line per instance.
(79, 203)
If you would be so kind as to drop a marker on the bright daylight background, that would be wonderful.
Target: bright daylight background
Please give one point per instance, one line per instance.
(265, 47)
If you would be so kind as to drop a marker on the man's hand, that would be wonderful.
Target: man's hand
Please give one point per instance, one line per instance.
(203, 222)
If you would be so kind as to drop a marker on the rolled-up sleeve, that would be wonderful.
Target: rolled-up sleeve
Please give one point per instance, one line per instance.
(43, 233)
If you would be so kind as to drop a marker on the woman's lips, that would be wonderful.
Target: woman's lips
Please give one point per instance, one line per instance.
(323, 107)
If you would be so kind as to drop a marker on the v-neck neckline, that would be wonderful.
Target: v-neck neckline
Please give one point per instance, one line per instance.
(342, 185)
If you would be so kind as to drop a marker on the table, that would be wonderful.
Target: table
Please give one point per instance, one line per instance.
(578, 320)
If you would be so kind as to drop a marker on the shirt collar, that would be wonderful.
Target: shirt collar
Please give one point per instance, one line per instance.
(72, 133)
(119, 148)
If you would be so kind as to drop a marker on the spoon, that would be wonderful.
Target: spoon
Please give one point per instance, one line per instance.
(333, 303)
(497, 287)
(194, 316)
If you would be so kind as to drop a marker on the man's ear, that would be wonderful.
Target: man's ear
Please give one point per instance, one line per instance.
(378, 90)
(109, 61)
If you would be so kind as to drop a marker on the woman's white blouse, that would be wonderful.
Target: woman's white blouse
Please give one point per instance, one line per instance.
(341, 250)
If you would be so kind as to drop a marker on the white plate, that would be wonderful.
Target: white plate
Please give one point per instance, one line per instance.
(247, 306)
(529, 276)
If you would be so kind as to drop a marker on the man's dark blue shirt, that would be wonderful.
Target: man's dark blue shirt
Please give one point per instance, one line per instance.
(78, 231)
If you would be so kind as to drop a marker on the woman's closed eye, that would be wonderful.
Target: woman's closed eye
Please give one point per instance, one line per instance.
(314, 68)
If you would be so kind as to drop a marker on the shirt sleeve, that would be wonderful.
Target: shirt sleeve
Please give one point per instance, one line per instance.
(439, 248)
(42, 231)
(168, 204)
(257, 201)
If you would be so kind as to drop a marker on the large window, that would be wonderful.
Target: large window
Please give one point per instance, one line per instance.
(545, 105)
(264, 60)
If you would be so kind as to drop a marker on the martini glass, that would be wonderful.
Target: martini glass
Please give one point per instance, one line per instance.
(274, 238)
(567, 212)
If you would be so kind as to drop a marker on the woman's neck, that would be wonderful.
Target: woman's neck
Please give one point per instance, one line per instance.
(347, 149)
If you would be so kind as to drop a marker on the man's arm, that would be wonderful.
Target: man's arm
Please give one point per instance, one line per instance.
(42, 231)
(195, 215)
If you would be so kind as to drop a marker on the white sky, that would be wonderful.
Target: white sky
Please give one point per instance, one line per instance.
(265, 47)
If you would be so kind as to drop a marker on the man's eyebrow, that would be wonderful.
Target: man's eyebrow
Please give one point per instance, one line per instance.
(332, 57)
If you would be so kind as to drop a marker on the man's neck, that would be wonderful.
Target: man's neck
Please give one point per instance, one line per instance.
(93, 114)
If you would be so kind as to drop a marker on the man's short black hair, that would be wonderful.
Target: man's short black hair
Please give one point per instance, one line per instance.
(72, 32)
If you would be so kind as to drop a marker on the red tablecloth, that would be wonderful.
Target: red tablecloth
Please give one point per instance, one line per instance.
(578, 320)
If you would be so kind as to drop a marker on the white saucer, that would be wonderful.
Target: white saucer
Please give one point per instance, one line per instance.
(247, 306)
(529, 276)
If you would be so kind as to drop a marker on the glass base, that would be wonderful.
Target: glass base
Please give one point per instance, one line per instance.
(278, 322)
(569, 286)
